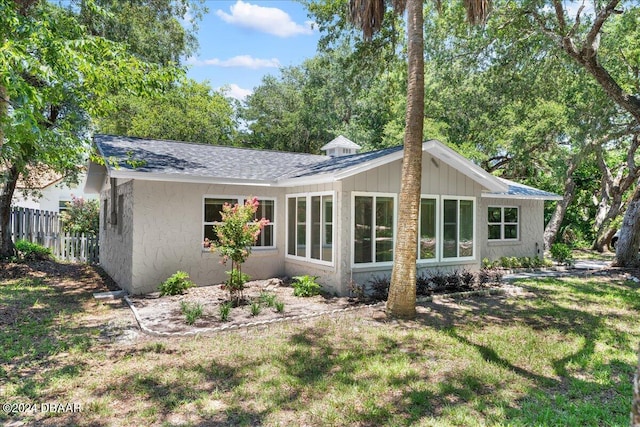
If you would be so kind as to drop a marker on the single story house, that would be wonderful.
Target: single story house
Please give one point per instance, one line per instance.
(330, 216)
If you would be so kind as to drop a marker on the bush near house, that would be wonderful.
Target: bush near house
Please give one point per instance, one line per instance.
(176, 284)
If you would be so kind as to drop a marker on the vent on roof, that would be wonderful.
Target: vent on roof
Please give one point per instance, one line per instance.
(340, 146)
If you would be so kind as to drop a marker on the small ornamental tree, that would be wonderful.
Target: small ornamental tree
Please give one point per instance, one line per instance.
(236, 234)
(81, 216)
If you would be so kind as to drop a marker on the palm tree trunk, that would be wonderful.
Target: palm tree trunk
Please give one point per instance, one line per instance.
(402, 292)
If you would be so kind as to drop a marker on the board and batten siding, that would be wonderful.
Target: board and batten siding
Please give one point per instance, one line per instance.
(530, 229)
(438, 178)
(328, 275)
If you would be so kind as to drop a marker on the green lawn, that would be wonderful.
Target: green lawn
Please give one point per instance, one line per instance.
(561, 354)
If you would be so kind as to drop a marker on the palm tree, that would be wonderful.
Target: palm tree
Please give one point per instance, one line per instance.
(368, 15)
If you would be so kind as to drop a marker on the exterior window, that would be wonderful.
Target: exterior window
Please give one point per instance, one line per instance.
(373, 229)
(310, 227)
(62, 205)
(458, 228)
(322, 228)
(427, 241)
(297, 227)
(266, 209)
(503, 223)
(213, 216)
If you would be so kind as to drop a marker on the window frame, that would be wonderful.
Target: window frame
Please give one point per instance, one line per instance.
(458, 258)
(374, 196)
(502, 223)
(437, 258)
(309, 225)
(239, 200)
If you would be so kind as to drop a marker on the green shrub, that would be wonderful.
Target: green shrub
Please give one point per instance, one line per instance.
(176, 284)
(255, 308)
(225, 310)
(267, 299)
(192, 311)
(279, 305)
(29, 251)
(561, 253)
(305, 286)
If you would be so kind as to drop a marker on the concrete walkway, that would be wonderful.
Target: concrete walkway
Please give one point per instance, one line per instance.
(579, 268)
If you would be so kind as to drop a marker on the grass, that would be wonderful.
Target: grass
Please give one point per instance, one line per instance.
(562, 354)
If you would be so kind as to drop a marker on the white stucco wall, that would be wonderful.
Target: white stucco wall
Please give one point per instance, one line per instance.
(168, 234)
(116, 241)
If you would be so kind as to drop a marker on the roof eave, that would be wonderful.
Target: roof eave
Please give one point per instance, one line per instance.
(464, 166)
(550, 197)
(198, 179)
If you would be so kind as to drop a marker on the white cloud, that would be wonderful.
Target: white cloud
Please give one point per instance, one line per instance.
(270, 20)
(235, 91)
(240, 61)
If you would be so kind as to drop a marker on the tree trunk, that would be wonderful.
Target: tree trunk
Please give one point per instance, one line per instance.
(612, 191)
(402, 292)
(10, 178)
(552, 228)
(629, 240)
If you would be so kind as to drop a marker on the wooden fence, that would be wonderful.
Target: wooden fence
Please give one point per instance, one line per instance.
(44, 228)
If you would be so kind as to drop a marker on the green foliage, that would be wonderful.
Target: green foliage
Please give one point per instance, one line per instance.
(29, 251)
(267, 299)
(56, 77)
(176, 284)
(225, 310)
(279, 306)
(192, 311)
(255, 308)
(236, 234)
(561, 253)
(189, 111)
(81, 216)
(305, 286)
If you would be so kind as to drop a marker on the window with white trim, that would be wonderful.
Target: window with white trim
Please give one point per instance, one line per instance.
(458, 230)
(373, 228)
(427, 234)
(503, 222)
(213, 216)
(310, 227)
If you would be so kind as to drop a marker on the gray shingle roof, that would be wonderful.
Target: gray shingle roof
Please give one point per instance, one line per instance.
(200, 160)
(203, 161)
(521, 191)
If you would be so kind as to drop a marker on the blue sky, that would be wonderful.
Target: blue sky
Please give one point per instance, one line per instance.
(243, 40)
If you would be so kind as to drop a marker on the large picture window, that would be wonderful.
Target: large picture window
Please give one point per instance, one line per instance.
(427, 241)
(213, 216)
(458, 228)
(310, 226)
(503, 222)
(374, 228)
